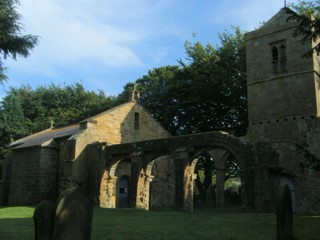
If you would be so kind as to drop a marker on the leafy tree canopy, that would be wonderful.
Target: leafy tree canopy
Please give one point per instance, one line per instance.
(12, 42)
(205, 92)
(25, 110)
(308, 15)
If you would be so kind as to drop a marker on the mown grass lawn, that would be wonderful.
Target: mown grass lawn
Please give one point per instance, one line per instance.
(16, 223)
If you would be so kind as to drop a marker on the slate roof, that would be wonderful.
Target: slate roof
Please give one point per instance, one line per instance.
(39, 138)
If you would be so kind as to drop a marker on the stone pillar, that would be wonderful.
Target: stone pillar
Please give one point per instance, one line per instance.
(143, 191)
(220, 156)
(103, 190)
(180, 160)
(220, 176)
(108, 191)
(189, 178)
(111, 192)
(136, 167)
(148, 181)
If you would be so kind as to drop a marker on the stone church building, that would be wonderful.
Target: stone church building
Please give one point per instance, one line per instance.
(124, 158)
(46, 162)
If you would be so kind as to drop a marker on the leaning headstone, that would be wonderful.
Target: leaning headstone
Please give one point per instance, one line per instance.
(73, 216)
(43, 220)
(284, 213)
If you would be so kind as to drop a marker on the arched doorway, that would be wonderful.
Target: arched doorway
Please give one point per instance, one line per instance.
(123, 191)
(115, 180)
(286, 181)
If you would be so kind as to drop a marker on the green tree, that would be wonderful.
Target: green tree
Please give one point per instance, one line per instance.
(12, 125)
(307, 13)
(206, 92)
(63, 105)
(215, 86)
(25, 110)
(12, 42)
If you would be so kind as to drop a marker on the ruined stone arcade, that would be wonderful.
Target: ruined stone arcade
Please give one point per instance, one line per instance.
(177, 156)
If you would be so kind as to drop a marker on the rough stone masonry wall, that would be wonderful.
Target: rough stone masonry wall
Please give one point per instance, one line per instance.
(32, 179)
(162, 190)
(49, 175)
(66, 157)
(290, 161)
(264, 180)
(118, 125)
(303, 170)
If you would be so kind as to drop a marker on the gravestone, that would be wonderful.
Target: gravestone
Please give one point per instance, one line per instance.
(73, 216)
(43, 220)
(284, 213)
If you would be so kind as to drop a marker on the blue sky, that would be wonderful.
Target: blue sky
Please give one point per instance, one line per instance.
(105, 44)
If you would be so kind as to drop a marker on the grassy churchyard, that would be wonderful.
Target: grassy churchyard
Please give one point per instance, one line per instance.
(16, 223)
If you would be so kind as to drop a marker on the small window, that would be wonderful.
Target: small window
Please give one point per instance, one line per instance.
(136, 120)
(122, 189)
(279, 58)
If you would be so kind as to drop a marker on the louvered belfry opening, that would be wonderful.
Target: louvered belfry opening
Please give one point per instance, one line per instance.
(275, 60)
(279, 58)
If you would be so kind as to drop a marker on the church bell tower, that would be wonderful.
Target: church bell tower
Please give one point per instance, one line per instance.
(283, 86)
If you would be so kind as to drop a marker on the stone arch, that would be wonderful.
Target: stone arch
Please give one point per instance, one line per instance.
(122, 169)
(219, 156)
(113, 168)
(152, 183)
(108, 186)
(222, 147)
(288, 182)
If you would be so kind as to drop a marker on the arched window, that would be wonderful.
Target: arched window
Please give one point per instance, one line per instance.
(286, 181)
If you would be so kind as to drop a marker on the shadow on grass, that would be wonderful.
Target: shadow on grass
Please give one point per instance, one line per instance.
(204, 223)
(16, 228)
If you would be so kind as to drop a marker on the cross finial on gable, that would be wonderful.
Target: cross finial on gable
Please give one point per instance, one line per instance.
(51, 124)
(135, 93)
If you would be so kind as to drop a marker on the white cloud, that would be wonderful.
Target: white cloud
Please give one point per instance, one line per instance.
(74, 36)
(95, 31)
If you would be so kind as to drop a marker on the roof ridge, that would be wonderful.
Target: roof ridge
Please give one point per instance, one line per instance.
(41, 133)
(280, 18)
(102, 113)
